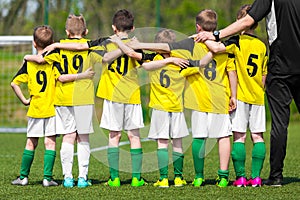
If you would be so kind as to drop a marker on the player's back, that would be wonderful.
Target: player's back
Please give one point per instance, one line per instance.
(119, 79)
(40, 79)
(79, 92)
(167, 85)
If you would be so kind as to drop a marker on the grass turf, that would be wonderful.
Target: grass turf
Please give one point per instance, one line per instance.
(12, 146)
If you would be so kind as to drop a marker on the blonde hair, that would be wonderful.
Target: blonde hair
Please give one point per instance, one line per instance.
(76, 25)
(207, 19)
(243, 11)
(165, 36)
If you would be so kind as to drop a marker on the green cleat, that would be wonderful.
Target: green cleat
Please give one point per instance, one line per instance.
(198, 182)
(164, 183)
(137, 183)
(222, 182)
(178, 182)
(114, 183)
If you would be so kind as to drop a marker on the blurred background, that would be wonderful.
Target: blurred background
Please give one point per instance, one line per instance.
(19, 17)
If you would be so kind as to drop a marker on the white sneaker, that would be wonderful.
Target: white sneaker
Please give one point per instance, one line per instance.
(47, 183)
(20, 181)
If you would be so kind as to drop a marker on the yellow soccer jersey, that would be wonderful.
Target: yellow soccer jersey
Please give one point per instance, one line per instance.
(208, 89)
(119, 79)
(40, 79)
(251, 63)
(166, 88)
(80, 92)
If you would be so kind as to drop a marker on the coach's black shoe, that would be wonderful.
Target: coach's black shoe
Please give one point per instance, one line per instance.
(273, 182)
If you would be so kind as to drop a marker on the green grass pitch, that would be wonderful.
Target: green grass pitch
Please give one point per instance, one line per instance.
(12, 146)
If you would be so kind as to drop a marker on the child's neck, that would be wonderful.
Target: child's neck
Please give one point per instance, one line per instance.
(75, 36)
(122, 34)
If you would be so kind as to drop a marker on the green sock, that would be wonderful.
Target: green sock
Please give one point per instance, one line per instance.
(178, 163)
(136, 162)
(27, 159)
(258, 157)
(163, 162)
(113, 162)
(49, 159)
(223, 174)
(238, 155)
(198, 150)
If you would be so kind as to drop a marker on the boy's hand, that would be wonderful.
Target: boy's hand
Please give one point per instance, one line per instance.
(203, 36)
(88, 74)
(49, 48)
(115, 39)
(183, 63)
(133, 43)
(232, 104)
(26, 102)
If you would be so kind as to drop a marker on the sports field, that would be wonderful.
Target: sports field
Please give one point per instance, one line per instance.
(12, 146)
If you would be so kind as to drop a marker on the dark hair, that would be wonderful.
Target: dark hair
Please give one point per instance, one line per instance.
(207, 19)
(123, 20)
(43, 36)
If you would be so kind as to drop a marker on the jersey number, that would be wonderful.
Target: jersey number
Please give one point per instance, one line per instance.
(122, 65)
(210, 70)
(77, 63)
(253, 65)
(164, 79)
(41, 79)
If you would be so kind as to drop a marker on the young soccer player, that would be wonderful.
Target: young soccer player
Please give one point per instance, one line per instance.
(251, 61)
(210, 94)
(40, 79)
(120, 90)
(167, 121)
(74, 103)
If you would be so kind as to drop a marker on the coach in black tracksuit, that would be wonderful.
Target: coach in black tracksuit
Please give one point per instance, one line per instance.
(283, 79)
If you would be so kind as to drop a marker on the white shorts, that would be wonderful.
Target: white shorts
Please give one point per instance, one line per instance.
(165, 125)
(120, 116)
(210, 125)
(74, 118)
(40, 127)
(250, 115)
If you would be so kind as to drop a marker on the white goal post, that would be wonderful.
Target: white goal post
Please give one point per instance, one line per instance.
(12, 111)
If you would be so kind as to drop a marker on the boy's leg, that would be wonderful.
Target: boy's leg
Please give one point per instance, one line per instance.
(83, 151)
(198, 151)
(224, 156)
(163, 158)
(136, 153)
(28, 156)
(49, 156)
(113, 154)
(239, 154)
(67, 154)
(258, 154)
(178, 158)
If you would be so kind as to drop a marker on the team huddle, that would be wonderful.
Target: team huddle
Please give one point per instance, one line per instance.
(222, 83)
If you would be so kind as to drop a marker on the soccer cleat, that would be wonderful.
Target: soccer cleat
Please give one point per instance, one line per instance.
(47, 183)
(20, 181)
(82, 183)
(68, 182)
(178, 182)
(256, 182)
(240, 182)
(164, 183)
(114, 183)
(137, 183)
(197, 182)
(273, 182)
(222, 182)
